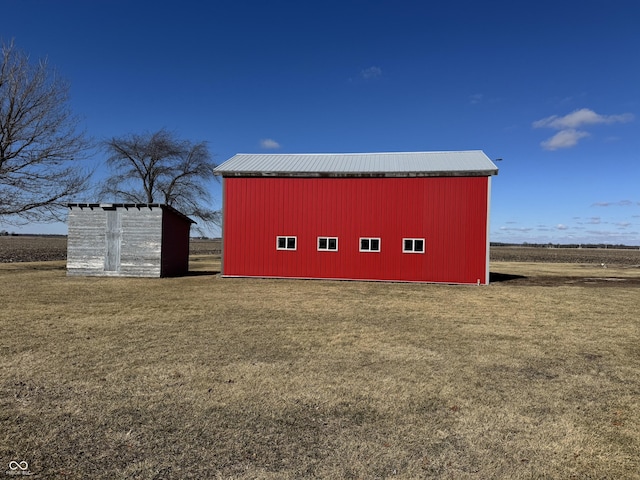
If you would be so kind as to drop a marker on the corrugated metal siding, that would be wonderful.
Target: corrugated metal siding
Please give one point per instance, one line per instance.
(450, 213)
(392, 164)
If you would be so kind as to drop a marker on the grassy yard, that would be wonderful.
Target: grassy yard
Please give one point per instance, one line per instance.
(202, 377)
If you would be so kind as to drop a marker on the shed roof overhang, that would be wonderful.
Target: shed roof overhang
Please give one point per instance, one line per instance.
(139, 206)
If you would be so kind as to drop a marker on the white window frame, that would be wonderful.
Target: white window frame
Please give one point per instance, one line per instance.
(286, 242)
(369, 250)
(328, 239)
(413, 245)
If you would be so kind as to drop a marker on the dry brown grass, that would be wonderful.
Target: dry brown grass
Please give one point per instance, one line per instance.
(202, 377)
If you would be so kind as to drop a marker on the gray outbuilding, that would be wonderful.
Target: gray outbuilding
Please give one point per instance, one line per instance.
(127, 240)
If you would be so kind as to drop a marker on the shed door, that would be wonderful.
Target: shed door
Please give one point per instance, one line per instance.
(113, 240)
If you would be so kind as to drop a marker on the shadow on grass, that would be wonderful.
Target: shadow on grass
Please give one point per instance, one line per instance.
(201, 273)
(504, 277)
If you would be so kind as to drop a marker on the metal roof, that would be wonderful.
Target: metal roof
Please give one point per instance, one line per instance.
(390, 164)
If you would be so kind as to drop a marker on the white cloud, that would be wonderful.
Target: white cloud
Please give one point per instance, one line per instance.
(269, 144)
(621, 203)
(561, 227)
(569, 135)
(581, 117)
(564, 139)
(476, 98)
(513, 229)
(602, 233)
(371, 72)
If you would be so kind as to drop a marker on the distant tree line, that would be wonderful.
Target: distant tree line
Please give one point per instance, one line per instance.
(566, 245)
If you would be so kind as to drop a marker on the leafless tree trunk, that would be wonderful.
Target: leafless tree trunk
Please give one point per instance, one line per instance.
(40, 151)
(160, 168)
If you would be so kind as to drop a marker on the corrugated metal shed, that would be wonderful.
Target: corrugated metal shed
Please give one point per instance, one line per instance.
(390, 164)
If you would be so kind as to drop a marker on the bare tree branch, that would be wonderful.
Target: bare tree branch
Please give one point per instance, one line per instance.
(161, 168)
(40, 151)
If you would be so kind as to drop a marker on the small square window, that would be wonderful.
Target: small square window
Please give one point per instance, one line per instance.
(369, 244)
(286, 243)
(328, 243)
(413, 245)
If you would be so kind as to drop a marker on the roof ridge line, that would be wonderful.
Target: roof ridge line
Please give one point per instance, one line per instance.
(366, 153)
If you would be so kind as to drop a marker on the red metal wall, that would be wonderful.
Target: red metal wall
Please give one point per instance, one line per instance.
(450, 213)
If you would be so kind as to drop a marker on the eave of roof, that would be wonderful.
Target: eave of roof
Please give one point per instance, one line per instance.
(390, 164)
(108, 206)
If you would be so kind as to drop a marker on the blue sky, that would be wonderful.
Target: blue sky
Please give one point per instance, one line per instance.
(551, 87)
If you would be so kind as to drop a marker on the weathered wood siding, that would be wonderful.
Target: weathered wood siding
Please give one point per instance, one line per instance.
(113, 240)
(141, 242)
(86, 246)
(124, 241)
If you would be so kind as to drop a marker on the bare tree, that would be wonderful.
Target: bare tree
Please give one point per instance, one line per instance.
(40, 149)
(161, 168)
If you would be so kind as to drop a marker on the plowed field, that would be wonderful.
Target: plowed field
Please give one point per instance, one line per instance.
(597, 256)
(42, 249)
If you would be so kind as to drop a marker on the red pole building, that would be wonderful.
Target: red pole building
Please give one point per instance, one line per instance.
(416, 217)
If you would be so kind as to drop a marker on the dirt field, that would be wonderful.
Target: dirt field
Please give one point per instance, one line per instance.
(42, 249)
(590, 256)
(32, 249)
